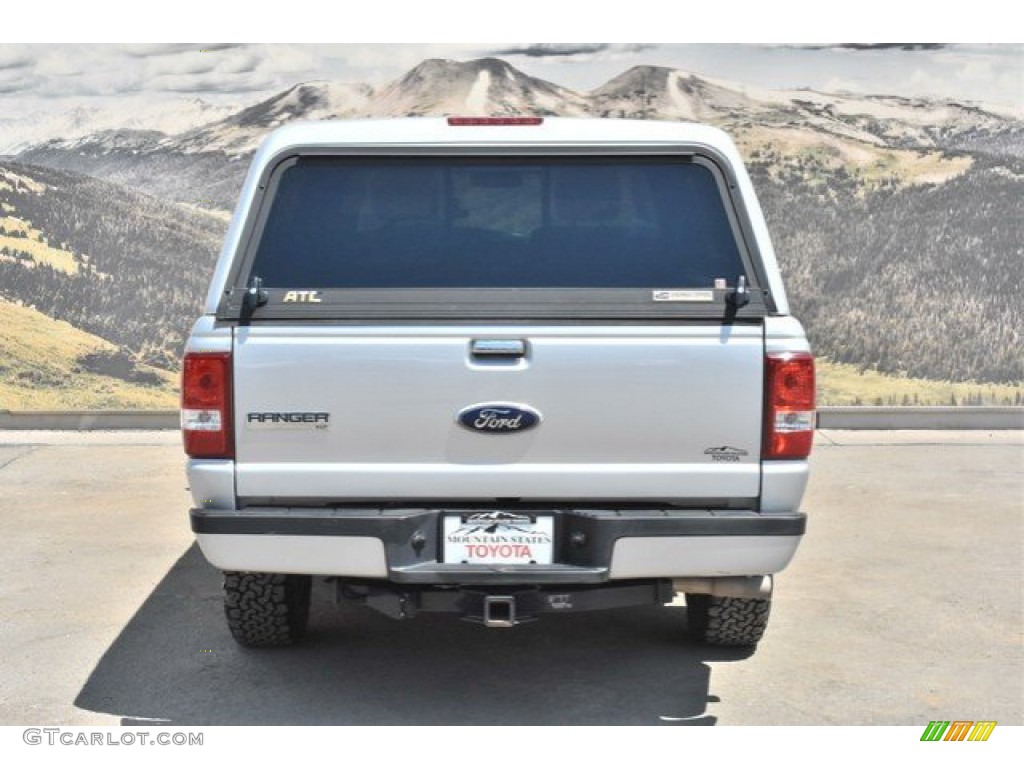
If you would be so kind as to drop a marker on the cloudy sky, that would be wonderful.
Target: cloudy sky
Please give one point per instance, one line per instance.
(44, 77)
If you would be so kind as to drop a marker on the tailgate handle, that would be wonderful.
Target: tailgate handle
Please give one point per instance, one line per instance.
(498, 348)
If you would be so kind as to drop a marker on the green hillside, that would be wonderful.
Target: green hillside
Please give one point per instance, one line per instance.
(48, 364)
(841, 384)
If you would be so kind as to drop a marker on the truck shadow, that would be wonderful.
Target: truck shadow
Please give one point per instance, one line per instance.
(174, 662)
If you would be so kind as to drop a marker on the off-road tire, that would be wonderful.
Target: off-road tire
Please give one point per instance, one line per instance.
(266, 610)
(727, 621)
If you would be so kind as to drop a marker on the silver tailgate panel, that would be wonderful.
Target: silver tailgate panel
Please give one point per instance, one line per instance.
(629, 412)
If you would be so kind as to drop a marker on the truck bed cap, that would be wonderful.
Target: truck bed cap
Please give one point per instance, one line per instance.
(427, 131)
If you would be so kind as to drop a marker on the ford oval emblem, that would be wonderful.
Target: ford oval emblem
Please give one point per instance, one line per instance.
(498, 418)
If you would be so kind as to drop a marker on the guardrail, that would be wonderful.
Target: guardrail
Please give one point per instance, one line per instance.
(83, 420)
(829, 417)
(921, 417)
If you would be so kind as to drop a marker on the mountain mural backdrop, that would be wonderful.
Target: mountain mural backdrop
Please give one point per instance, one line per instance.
(898, 221)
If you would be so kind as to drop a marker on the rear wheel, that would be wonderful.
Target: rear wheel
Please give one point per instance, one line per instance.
(727, 621)
(266, 609)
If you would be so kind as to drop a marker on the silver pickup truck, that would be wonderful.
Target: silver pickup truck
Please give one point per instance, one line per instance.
(500, 367)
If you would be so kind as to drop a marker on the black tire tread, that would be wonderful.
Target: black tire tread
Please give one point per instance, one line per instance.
(266, 610)
(727, 621)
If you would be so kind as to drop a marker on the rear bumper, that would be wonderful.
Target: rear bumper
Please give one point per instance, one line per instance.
(592, 546)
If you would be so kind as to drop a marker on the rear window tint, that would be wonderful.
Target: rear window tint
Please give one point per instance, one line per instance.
(373, 223)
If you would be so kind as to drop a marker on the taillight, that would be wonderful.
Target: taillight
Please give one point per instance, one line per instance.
(206, 405)
(789, 405)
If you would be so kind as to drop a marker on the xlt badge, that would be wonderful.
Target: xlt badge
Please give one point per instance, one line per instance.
(498, 418)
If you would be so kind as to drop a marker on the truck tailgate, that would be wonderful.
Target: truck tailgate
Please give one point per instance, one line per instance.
(628, 412)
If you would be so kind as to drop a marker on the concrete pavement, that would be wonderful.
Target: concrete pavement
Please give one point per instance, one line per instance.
(903, 605)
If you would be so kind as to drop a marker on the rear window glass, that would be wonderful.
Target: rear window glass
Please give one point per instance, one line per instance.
(496, 223)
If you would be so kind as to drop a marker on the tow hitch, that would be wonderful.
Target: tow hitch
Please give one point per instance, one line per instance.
(506, 609)
(499, 611)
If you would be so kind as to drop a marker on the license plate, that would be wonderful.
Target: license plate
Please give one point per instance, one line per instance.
(499, 537)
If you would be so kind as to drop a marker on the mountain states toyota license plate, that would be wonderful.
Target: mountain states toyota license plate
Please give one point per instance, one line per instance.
(498, 537)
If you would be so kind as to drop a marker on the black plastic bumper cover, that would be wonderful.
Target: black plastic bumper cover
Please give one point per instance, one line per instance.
(584, 538)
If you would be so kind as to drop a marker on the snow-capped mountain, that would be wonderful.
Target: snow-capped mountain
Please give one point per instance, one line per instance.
(901, 121)
(166, 117)
(241, 132)
(670, 94)
(108, 140)
(202, 166)
(434, 87)
(492, 86)
(191, 151)
(480, 87)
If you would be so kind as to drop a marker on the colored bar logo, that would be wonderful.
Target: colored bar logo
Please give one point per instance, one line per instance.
(958, 730)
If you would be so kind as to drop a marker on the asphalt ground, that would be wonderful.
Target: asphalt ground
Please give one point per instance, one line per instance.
(903, 605)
